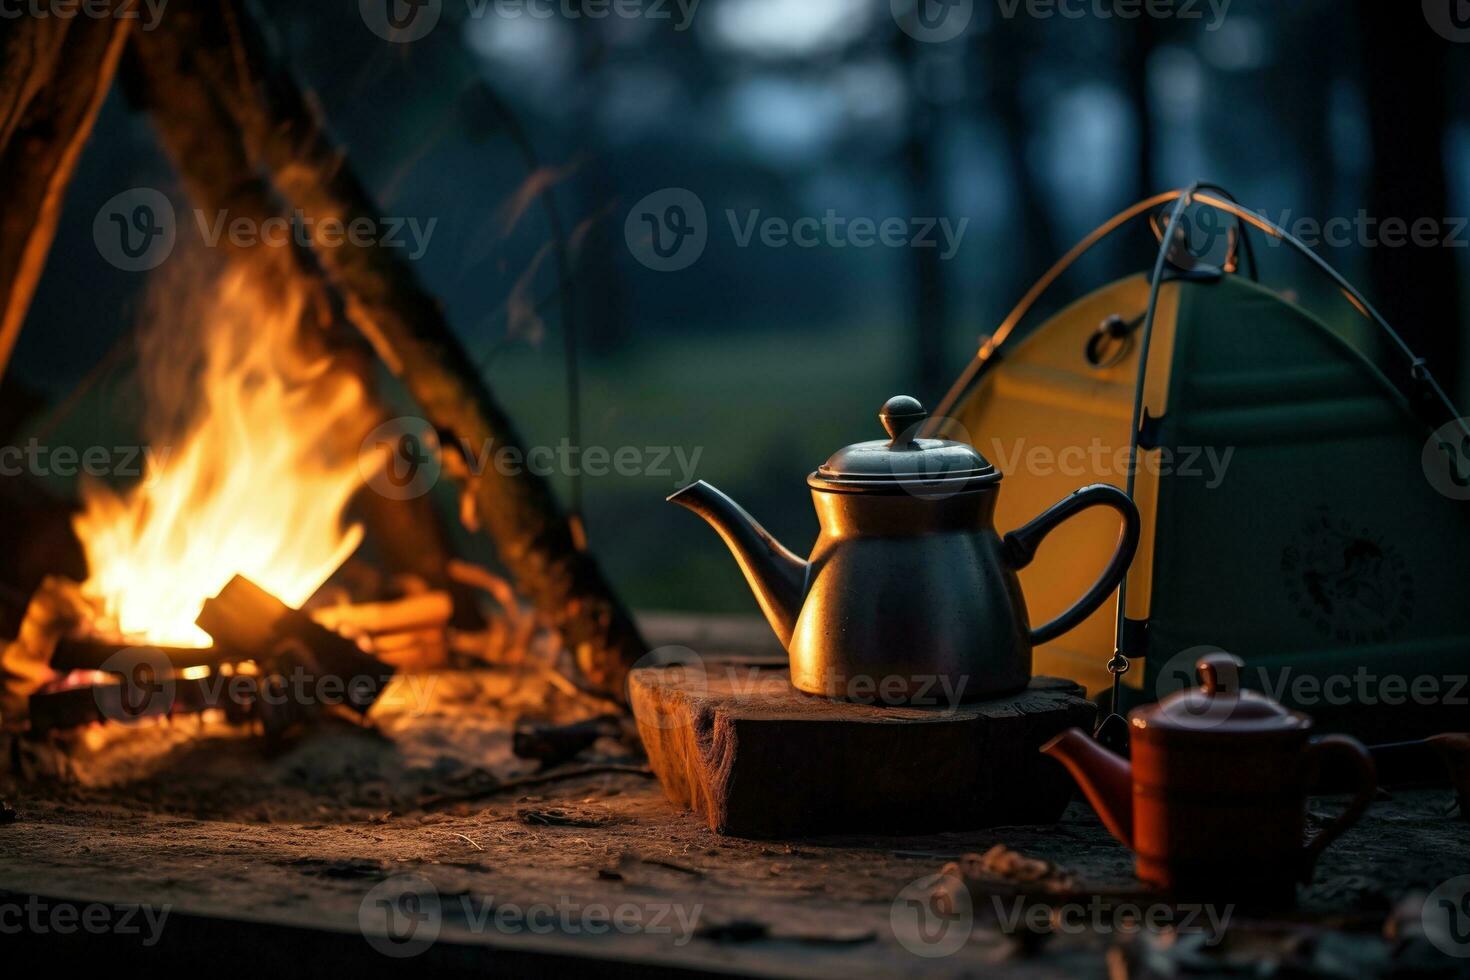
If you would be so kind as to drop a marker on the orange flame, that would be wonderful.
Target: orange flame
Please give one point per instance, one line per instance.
(258, 483)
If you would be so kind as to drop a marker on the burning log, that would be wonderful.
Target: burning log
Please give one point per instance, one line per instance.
(426, 610)
(216, 52)
(128, 698)
(252, 624)
(88, 653)
(409, 633)
(54, 75)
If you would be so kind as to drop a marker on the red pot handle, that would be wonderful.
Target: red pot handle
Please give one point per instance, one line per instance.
(1020, 547)
(1351, 750)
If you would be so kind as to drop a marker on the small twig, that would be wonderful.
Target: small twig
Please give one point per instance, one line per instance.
(466, 839)
(448, 799)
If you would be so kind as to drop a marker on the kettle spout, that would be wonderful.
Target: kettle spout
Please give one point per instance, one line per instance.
(775, 575)
(1106, 779)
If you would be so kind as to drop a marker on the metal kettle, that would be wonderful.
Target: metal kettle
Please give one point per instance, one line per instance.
(909, 596)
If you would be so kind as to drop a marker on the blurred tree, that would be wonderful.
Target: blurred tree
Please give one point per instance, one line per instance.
(1140, 40)
(1002, 55)
(925, 185)
(1407, 93)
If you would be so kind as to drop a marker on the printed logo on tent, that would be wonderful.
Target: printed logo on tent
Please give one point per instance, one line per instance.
(1351, 584)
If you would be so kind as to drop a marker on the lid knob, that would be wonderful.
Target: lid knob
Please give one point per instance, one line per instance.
(1219, 672)
(901, 416)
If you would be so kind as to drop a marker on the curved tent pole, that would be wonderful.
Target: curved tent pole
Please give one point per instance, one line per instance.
(1418, 369)
(1118, 665)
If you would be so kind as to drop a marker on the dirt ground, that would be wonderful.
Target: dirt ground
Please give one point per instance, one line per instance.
(196, 819)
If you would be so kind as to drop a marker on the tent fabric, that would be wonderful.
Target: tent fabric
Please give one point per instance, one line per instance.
(1287, 514)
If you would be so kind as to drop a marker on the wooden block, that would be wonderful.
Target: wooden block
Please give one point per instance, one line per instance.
(734, 742)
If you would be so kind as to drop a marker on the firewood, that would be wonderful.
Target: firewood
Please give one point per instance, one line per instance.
(226, 56)
(56, 609)
(254, 624)
(86, 653)
(425, 611)
(54, 74)
(553, 745)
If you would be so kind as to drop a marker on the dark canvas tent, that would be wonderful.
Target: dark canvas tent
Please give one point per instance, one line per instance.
(1302, 487)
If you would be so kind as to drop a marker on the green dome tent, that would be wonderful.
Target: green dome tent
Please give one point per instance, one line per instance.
(1302, 489)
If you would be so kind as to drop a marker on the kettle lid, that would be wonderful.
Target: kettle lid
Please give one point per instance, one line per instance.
(904, 459)
(1219, 705)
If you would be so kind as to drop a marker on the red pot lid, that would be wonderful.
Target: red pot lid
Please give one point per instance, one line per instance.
(1219, 705)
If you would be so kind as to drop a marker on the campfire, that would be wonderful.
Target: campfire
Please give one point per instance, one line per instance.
(256, 483)
(227, 569)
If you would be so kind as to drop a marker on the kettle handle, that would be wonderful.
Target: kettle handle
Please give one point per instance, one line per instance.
(1019, 547)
